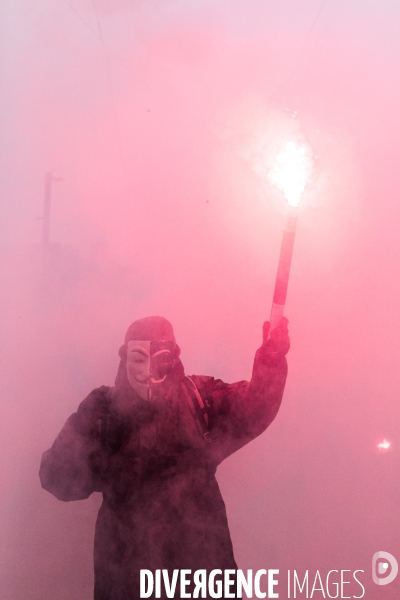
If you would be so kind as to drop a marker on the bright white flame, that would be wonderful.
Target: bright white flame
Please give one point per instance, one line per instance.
(384, 445)
(292, 171)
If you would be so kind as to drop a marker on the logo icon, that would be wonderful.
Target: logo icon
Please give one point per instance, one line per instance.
(384, 564)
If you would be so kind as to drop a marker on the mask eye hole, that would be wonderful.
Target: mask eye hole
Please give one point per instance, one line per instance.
(138, 357)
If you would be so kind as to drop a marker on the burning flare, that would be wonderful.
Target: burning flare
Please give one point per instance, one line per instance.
(292, 171)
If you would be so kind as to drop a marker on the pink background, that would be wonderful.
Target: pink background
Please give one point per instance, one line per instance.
(154, 113)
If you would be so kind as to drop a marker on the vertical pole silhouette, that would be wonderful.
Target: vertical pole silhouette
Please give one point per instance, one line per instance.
(47, 208)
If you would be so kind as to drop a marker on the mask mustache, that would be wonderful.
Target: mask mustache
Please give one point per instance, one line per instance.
(145, 381)
(151, 380)
(157, 381)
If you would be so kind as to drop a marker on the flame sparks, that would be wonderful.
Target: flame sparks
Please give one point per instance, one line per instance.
(384, 445)
(292, 171)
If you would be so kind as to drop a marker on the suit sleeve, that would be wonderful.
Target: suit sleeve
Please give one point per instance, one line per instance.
(239, 412)
(68, 468)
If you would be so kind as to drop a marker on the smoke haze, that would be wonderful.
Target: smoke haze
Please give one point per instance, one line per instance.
(155, 115)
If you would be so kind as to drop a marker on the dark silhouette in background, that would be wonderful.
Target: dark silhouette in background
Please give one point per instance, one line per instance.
(151, 445)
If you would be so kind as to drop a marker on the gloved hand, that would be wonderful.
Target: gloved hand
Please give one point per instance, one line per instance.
(277, 346)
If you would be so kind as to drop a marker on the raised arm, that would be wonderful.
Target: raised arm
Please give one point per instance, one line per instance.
(239, 412)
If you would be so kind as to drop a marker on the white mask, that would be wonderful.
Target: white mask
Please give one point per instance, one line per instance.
(148, 364)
